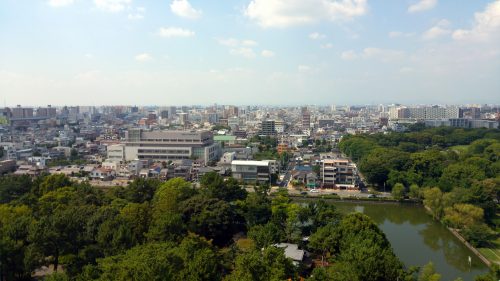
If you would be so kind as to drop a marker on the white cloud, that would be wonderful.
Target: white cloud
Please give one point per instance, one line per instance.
(384, 55)
(249, 43)
(229, 42)
(284, 13)
(406, 69)
(183, 8)
(112, 6)
(440, 29)
(135, 16)
(304, 68)
(399, 34)
(144, 57)
(349, 55)
(169, 32)
(138, 15)
(326, 46)
(89, 56)
(317, 36)
(232, 42)
(244, 52)
(422, 5)
(267, 54)
(486, 25)
(60, 3)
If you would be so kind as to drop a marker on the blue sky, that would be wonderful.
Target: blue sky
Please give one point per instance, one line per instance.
(276, 52)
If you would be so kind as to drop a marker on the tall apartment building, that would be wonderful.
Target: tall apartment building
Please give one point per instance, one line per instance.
(46, 112)
(183, 118)
(306, 118)
(425, 113)
(170, 145)
(338, 173)
(172, 112)
(268, 128)
(22, 112)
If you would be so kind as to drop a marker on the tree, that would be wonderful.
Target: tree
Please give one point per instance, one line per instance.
(13, 187)
(167, 226)
(479, 235)
(377, 165)
(53, 182)
(138, 218)
(463, 215)
(60, 233)
(415, 192)
(265, 235)
(193, 259)
(364, 247)
(428, 273)
(257, 265)
(14, 224)
(433, 199)
(256, 208)
(460, 175)
(227, 190)
(141, 190)
(211, 218)
(325, 241)
(398, 191)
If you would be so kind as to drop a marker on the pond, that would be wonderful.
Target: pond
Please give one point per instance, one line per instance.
(417, 239)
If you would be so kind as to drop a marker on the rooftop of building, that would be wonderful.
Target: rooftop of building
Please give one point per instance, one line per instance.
(250, 163)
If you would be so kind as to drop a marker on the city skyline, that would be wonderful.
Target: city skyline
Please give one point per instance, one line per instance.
(126, 52)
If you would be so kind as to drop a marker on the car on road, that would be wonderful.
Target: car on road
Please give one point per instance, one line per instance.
(313, 190)
(303, 193)
(372, 196)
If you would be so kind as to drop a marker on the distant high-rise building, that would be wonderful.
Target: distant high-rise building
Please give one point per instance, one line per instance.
(172, 112)
(306, 118)
(424, 113)
(183, 118)
(268, 128)
(46, 112)
(22, 112)
(475, 113)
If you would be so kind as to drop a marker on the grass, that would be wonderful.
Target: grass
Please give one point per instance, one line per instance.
(492, 253)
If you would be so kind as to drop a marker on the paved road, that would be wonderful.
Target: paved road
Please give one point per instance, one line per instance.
(341, 193)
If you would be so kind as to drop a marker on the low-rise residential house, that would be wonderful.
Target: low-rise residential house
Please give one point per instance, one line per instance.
(102, 174)
(292, 252)
(30, 170)
(305, 176)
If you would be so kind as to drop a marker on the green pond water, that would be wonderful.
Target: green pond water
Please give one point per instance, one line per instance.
(417, 239)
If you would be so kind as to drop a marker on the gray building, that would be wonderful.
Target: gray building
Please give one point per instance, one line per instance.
(268, 128)
(170, 145)
(248, 171)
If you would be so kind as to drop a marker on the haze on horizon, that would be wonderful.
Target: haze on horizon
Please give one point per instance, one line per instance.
(131, 52)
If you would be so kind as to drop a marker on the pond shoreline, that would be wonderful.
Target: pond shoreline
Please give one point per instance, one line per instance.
(462, 239)
(354, 200)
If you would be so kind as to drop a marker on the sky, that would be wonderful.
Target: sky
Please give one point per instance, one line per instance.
(249, 52)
